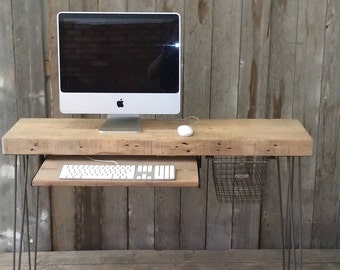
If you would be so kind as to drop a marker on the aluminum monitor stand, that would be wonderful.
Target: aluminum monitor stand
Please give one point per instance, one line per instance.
(122, 123)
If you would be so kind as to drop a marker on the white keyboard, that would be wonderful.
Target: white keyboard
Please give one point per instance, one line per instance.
(118, 172)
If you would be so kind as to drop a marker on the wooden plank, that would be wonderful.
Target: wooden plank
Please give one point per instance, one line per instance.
(141, 218)
(106, 257)
(30, 92)
(186, 171)
(280, 101)
(147, 259)
(325, 227)
(254, 57)
(114, 6)
(307, 93)
(197, 58)
(88, 205)
(83, 5)
(114, 218)
(142, 5)
(196, 101)
(202, 266)
(225, 58)
(278, 137)
(8, 112)
(224, 96)
(167, 218)
(29, 61)
(216, 266)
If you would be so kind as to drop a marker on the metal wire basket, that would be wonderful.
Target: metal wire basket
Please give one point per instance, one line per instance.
(239, 179)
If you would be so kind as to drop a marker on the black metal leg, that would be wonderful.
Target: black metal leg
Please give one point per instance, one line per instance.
(28, 235)
(288, 225)
(290, 206)
(300, 210)
(36, 230)
(281, 214)
(15, 210)
(24, 195)
(22, 173)
(298, 206)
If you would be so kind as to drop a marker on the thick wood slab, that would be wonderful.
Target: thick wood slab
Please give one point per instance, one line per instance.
(186, 171)
(266, 137)
(232, 259)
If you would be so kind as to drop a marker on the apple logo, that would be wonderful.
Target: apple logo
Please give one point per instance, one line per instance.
(120, 103)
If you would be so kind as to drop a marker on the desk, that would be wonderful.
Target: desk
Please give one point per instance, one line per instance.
(219, 137)
(239, 137)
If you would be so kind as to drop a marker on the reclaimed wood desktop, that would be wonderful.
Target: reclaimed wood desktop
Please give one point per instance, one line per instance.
(65, 139)
(234, 137)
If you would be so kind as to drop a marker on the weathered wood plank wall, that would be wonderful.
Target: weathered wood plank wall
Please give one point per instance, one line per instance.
(7, 119)
(245, 59)
(22, 86)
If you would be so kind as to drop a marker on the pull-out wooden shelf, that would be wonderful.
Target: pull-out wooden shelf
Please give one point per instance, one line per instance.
(186, 171)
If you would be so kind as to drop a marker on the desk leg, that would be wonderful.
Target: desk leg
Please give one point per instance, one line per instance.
(22, 173)
(281, 213)
(36, 229)
(287, 224)
(300, 210)
(15, 209)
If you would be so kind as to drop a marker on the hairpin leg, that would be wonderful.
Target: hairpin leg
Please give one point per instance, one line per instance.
(281, 214)
(300, 211)
(290, 207)
(15, 210)
(36, 230)
(287, 224)
(22, 173)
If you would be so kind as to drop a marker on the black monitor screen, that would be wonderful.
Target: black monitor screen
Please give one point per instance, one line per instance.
(115, 52)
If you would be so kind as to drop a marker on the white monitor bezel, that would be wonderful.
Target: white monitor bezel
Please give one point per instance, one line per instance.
(134, 103)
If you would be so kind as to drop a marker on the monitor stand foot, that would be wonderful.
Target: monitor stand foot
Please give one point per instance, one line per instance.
(122, 123)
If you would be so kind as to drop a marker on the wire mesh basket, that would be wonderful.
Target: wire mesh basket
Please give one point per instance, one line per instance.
(239, 179)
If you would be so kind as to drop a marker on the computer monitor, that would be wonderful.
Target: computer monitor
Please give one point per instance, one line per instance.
(121, 64)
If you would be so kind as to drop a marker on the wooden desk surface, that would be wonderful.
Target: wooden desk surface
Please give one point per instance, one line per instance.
(240, 137)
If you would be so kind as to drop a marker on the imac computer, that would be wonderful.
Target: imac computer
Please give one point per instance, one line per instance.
(120, 64)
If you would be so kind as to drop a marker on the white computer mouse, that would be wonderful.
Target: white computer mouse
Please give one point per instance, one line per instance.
(185, 131)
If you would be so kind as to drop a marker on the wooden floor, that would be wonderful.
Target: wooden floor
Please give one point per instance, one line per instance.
(166, 260)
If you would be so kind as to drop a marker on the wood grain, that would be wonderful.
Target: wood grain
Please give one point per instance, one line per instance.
(251, 103)
(8, 117)
(276, 137)
(29, 91)
(240, 259)
(227, 22)
(326, 219)
(280, 105)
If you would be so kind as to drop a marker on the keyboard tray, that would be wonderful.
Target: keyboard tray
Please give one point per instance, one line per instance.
(186, 171)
